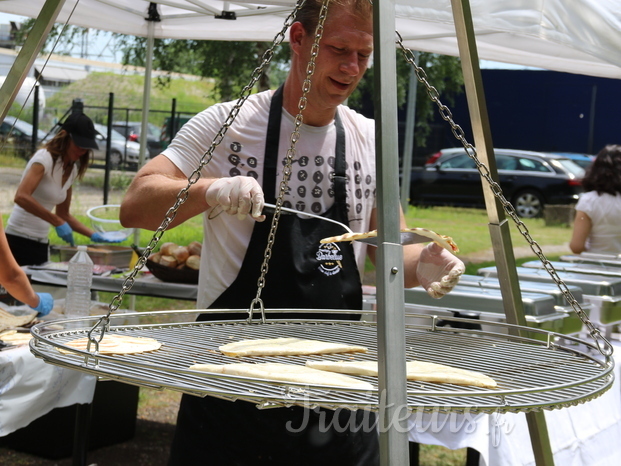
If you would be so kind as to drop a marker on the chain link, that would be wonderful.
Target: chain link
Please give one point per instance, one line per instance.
(603, 344)
(289, 157)
(104, 322)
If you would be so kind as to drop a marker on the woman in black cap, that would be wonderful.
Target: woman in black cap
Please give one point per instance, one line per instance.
(43, 197)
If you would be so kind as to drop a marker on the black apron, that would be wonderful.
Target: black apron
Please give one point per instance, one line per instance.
(301, 274)
(28, 251)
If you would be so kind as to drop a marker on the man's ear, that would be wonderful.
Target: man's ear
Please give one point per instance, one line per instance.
(296, 35)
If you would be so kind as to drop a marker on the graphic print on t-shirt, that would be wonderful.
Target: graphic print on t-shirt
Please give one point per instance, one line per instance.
(311, 179)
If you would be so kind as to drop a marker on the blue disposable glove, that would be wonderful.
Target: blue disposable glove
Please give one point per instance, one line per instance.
(46, 303)
(102, 238)
(65, 232)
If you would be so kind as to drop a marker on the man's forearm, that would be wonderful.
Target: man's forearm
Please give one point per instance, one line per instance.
(148, 200)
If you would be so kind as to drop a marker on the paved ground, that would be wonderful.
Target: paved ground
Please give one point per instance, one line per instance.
(84, 196)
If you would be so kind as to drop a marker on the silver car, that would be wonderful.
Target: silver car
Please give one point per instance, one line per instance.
(122, 151)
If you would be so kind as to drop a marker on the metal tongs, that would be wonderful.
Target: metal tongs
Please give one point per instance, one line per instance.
(407, 237)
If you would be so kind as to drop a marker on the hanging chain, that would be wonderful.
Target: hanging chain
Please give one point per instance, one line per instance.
(182, 196)
(295, 136)
(603, 344)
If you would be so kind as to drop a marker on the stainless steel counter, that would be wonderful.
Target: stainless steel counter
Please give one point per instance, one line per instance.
(144, 286)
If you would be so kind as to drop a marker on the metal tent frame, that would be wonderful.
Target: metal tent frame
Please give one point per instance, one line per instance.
(390, 296)
(390, 290)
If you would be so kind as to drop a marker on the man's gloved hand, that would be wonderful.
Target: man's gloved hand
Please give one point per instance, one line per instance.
(46, 303)
(65, 232)
(438, 270)
(102, 238)
(238, 195)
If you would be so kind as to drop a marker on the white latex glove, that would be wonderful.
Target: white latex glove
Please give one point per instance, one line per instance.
(238, 195)
(438, 270)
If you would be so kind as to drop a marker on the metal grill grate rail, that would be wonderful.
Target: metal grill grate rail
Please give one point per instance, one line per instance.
(531, 374)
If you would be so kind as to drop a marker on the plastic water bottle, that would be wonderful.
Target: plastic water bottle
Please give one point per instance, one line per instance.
(79, 281)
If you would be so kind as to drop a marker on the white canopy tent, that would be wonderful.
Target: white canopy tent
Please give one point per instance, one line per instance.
(578, 36)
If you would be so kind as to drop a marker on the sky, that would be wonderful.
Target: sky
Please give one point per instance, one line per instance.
(100, 48)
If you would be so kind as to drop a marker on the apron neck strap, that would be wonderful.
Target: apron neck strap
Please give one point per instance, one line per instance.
(271, 152)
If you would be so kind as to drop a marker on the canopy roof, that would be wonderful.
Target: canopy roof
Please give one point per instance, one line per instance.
(577, 36)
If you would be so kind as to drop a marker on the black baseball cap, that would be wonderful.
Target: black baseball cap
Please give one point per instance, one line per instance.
(82, 130)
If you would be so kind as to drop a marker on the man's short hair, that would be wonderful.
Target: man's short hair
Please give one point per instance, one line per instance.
(308, 15)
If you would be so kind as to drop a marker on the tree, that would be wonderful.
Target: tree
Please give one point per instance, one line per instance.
(230, 63)
(443, 73)
(62, 38)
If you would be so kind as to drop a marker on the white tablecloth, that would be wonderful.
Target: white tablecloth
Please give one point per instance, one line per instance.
(587, 434)
(30, 388)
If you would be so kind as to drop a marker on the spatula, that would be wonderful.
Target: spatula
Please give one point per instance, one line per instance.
(407, 237)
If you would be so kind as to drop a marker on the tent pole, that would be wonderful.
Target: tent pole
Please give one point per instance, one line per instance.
(146, 95)
(393, 408)
(408, 143)
(146, 99)
(27, 55)
(498, 225)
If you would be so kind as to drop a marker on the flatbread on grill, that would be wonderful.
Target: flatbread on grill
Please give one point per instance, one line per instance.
(286, 347)
(14, 337)
(115, 344)
(415, 370)
(442, 240)
(285, 373)
(8, 320)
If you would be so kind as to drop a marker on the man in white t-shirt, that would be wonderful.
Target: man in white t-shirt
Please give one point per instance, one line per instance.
(333, 175)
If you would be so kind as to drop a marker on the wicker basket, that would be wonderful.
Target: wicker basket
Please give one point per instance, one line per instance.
(169, 274)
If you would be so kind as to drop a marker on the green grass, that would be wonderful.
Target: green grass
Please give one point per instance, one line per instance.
(191, 97)
(147, 303)
(469, 228)
(192, 230)
(434, 455)
(118, 180)
(7, 159)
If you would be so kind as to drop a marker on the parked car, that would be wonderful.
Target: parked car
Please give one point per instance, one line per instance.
(20, 137)
(166, 130)
(584, 160)
(122, 151)
(433, 158)
(131, 130)
(529, 180)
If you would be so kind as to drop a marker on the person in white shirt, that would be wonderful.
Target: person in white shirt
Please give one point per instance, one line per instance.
(43, 197)
(597, 226)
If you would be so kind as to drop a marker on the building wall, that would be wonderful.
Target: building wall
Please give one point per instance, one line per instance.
(546, 111)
